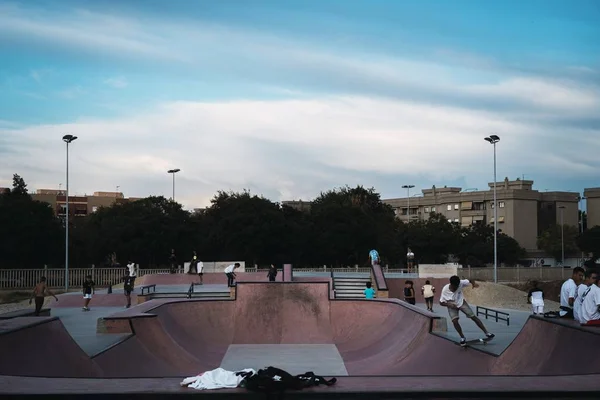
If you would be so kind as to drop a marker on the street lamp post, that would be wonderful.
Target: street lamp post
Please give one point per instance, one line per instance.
(173, 172)
(493, 139)
(408, 187)
(562, 234)
(67, 139)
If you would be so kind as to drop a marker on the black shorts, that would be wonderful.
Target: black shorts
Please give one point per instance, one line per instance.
(200, 273)
(128, 291)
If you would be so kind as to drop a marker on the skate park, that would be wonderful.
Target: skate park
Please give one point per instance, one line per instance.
(383, 345)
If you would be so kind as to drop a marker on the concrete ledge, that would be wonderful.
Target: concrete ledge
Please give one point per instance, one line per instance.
(27, 312)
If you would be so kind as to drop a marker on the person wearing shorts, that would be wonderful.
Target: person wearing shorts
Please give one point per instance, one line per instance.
(39, 293)
(200, 270)
(88, 289)
(453, 298)
(428, 291)
(128, 284)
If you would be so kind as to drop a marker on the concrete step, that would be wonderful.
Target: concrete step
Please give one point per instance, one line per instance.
(195, 295)
(344, 295)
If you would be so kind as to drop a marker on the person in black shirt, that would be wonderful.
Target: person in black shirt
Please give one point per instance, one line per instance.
(173, 261)
(128, 285)
(409, 292)
(88, 289)
(272, 274)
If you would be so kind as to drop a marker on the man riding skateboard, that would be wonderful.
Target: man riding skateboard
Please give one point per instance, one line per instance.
(453, 298)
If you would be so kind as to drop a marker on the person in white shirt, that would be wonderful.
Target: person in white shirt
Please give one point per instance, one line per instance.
(535, 297)
(428, 291)
(410, 259)
(590, 307)
(568, 293)
(453, 298)
(230, 272)
(589, 279)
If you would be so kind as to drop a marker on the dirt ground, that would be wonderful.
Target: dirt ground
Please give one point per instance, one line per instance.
(551, 288)
(493, 295)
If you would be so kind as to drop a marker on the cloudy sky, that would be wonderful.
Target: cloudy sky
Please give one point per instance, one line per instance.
(291, 98)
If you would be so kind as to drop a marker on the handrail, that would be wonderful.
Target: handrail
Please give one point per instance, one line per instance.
(497, 315)
(147, 287)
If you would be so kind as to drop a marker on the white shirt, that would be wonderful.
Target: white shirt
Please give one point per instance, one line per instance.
(131, 269)
(200, 266)
(537, 297)
(591, 302)
(229, 269)
(457, 297)
(567, 290)
(216, 379)
(427, 291)
(410, 254)
(578, 302)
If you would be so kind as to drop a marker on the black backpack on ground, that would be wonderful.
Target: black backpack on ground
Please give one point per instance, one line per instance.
(275, 380)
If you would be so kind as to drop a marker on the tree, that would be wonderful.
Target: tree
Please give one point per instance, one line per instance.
(551, 241)
(241, 226)
(143, 231)
(477, 247)
(432, 240)
(348, 222)
(589, 242)
(31, 234)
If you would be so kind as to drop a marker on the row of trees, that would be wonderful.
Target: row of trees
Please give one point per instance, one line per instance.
(340, 229)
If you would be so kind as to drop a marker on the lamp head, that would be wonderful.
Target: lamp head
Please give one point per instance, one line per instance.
(69, 138)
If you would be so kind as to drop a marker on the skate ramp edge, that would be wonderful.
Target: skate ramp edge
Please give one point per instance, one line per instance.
(42, 347)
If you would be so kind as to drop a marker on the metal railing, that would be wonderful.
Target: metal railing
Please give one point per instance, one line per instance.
(494, 314)
(147, 288)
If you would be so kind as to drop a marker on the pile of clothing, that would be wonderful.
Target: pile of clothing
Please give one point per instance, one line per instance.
(267, 380)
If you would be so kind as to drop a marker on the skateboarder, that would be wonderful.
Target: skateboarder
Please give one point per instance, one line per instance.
(374, 257)
(230, 272)
(128, 284)
(88, 289)
(453, 298)
(272, 274)
(39, 293)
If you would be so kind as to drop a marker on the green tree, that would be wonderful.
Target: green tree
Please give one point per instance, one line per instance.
(432, 240)
(31, 234)
(348, 222)
(477, 246)
(589, 242)
(143, 231)
(551, 241)
(241, 226)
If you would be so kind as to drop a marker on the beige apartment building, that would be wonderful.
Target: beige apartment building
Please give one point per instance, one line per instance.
(79, 205)
(592, 202)
(523, 213)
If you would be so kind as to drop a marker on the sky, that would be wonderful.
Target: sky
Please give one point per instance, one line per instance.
(290, 99)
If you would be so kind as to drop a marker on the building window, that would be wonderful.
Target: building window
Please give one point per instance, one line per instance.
(501, 204)
(432, 209)
(455, 219)
(456, 206)
(449, 207)
(466, 205)
(94, 209)
(450, 220)
(478, 206)
(426, 209)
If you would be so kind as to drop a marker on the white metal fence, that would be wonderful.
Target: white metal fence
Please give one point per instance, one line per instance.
(17, 279)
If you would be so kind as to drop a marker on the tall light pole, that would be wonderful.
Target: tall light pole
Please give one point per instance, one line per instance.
(173, 172)
(67, 139)
(562, 234)
(408, 187)
(493, 139)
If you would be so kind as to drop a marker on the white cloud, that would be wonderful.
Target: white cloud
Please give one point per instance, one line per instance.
(117, 82)
(292, 148)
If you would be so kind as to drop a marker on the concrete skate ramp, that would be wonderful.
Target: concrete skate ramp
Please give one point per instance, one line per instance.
(380, 337)
(41, 346)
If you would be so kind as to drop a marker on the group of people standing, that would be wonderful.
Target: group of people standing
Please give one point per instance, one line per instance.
(580, 297)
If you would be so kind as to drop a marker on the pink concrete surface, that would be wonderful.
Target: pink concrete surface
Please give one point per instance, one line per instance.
(374, 337)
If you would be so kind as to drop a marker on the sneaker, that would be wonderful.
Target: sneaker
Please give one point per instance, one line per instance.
(490, 336)
(463, 342)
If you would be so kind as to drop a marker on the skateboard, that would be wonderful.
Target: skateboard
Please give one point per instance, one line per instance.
(483, 341)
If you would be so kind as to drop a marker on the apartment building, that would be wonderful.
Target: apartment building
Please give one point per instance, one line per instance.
(592, 202)
(79, 205)
(523, 213)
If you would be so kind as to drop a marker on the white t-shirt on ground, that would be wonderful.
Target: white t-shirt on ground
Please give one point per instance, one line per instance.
(578, 302)
(457, 297)
(567, 290)
(229, 269)
(591, 302)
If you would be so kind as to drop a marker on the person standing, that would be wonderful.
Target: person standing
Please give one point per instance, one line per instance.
(410, 259)
(272, 274)
(128, 286)
(536, 298)
(453, 298)
(590, 307)
(568, 293)
(88, 290)
(173, 261)
(409, 293)
(374, 257)
(428, 291)
(230, 273)
(39, 293)
(194, 264)
(200, 271)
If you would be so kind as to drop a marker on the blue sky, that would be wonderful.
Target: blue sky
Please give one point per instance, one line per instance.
(292, 98)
